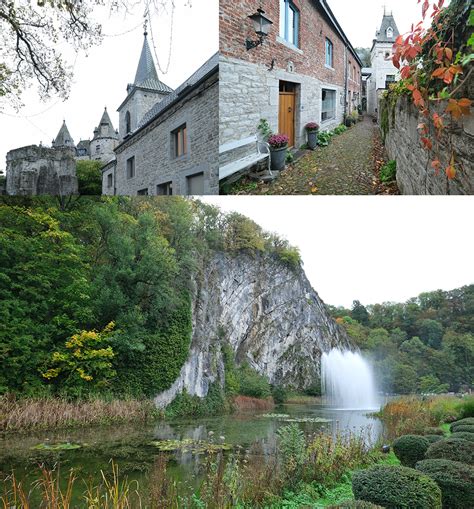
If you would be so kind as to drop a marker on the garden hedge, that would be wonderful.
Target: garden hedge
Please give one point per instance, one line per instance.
(455, 479)
(433, 438)
(463, 435)
(433, 431)
(355, 504)
(410, 448)
(464, 428)
(454, 449)
(396, 487)
(468, 421)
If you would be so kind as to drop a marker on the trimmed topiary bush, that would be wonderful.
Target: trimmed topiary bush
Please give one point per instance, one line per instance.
(468, 421)
(433, 438)
(410, 448)
(395, 487)
(433, 431)
(455, 479)
(454, 449)
(463, 428)
(463, 435)
(355, 504)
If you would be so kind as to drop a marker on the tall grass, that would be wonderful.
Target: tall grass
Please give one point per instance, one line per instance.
(53, 413)
(412, 414)
(241, 403)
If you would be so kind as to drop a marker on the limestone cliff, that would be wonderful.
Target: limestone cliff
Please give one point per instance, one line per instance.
(267, 312)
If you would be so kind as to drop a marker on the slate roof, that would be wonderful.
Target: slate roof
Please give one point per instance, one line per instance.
(210, 66)
(105, 128)
(387, 22)
(84, 144)
(146, 75)
(63, 139)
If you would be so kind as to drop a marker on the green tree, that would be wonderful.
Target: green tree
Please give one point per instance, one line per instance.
(89, 176)
(359, 313)
(430, 332)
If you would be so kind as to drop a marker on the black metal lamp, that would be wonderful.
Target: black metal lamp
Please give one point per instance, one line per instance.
(262, 26)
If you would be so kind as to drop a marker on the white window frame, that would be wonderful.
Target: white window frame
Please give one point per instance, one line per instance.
(334, 111)
(285, 7)
(329, 46)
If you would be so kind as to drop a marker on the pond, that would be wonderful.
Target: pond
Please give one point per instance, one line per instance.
(135, 448)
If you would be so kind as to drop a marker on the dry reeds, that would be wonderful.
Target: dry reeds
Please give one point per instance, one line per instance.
(242, 403)
(53, 413)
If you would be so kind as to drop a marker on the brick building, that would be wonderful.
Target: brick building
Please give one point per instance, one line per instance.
(168, 139)
(305, 70)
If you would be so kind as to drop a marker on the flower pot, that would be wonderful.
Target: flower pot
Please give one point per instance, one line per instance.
(312, 139)
(278, 158)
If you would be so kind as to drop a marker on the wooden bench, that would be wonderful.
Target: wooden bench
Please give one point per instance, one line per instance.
(247, 161)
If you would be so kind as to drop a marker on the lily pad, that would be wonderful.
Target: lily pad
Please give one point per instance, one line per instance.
(57, 447)
(307, 419)
(189, 445)
(276, 416)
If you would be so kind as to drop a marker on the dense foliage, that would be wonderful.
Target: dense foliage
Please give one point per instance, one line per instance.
(410, 449)
(423, 345)
(70, 270)
(396, 487)
(453, 449)
(455, 479)
(89, 177)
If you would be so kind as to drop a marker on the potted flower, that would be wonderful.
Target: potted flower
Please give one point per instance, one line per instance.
(278, 146)
(312, 130)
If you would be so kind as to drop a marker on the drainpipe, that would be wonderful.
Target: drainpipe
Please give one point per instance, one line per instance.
(346, 79)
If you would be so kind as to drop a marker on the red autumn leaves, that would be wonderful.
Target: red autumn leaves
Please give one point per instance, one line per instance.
(407, 51)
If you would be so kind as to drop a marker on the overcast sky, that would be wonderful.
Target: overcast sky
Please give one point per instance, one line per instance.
(373, 249)
(101, 78)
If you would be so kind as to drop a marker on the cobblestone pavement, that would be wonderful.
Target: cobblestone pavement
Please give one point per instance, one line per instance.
(345, 167)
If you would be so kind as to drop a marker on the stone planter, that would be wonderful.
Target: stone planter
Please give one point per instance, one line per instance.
(312, 139)
(278, 158)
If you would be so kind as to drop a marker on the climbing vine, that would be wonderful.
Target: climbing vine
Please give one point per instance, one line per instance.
(435, 65)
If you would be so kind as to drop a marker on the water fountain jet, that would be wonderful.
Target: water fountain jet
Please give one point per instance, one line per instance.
(347, 381)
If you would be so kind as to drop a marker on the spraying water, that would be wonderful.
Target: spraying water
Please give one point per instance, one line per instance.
(347, 381)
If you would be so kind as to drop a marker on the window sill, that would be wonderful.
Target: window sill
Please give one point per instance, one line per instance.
(180, 158)
(289, 45)
(329, 67)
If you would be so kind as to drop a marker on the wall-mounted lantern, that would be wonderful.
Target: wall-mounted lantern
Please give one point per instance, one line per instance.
(262, 26)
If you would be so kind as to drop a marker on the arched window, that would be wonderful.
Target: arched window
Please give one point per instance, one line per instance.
(389, 33)
(128, 123)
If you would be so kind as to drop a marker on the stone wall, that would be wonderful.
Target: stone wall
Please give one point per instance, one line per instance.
(37, 170)
(152, 146)
(415, 176)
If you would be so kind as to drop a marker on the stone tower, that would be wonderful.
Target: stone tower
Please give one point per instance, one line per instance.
(63, 139)
(142, 94)
(383, 70)
(104, 141)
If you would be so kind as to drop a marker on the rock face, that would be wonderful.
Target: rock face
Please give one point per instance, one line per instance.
(267, 312)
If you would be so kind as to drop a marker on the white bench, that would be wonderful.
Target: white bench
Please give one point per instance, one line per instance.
(247, 161)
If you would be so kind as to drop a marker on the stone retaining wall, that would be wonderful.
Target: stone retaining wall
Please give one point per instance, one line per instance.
(415, 176)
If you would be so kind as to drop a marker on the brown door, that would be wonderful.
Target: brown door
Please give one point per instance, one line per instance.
(286, 117)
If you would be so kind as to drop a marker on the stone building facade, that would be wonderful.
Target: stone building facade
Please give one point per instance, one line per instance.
(168, 139)
(103, 143)
(306, 70)
(39, 170)
(382, 72)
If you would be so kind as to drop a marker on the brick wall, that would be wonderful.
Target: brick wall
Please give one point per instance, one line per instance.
(309, 58)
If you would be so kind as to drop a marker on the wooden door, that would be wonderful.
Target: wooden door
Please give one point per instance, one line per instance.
(286, 117)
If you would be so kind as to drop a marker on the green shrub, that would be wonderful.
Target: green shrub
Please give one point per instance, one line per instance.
(355, 504)
(463, 435)
(324, 137)
(279, 394)
(433, 431)
(455, 479)
(396, 487)
(467, 408)
(468, 421)
(185, 405)
(340, 129)
(453, 449)
(464, 428)
(433, 438)
(388, 172)
(253, 384)
(410, 448)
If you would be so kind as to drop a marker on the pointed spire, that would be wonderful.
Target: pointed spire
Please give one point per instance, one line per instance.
(146, 66)
(63, 139)
(385, 34)
(105, 128)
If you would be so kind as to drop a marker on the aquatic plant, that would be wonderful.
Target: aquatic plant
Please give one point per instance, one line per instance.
(190, 445)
